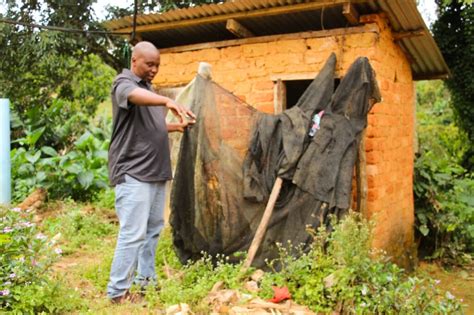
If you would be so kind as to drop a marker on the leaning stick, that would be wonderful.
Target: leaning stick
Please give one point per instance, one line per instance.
(262, 227)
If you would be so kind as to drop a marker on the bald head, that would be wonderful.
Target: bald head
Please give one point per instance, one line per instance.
(145, 60)
(144, 47)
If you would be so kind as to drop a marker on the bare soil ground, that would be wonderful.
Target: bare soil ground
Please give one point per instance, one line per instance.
(458, 281)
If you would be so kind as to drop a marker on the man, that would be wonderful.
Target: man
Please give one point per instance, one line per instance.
(139, 166)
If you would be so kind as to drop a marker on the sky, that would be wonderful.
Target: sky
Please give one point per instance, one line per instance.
(426, 7)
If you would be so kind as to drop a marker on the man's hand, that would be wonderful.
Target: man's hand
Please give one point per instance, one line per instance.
(180, 126)
(185, 115)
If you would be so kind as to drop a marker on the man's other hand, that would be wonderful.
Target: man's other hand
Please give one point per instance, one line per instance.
(180, 111)
(181, 125)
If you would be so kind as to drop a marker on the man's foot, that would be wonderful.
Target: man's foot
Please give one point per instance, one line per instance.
(127, 297)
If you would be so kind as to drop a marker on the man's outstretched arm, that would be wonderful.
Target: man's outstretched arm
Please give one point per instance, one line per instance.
(143, 97)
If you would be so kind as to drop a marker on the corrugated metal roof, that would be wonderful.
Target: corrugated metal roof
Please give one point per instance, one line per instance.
(207, 23)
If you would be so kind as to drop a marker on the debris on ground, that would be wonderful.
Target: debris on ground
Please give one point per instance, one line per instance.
(34, 200)
(229, 301)
(179, 309)
(280, 294)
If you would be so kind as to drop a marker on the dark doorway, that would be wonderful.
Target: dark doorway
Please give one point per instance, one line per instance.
(296, 88)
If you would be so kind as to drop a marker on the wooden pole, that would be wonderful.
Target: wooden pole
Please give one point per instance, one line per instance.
(262, 227)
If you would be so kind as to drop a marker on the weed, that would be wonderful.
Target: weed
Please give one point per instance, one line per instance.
(26, 257)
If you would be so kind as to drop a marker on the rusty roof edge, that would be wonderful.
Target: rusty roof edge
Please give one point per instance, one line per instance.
(410, 6)
(196, 12)
(402, 14)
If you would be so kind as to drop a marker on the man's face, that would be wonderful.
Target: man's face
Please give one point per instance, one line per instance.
(146, 64)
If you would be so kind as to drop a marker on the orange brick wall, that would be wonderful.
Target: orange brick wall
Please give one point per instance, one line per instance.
(247, 70)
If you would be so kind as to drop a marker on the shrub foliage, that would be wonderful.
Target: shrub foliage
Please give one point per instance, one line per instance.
(26, 256)
(444, 189)
(454, 33)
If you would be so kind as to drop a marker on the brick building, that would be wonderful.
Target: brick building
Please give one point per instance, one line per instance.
(266, 52)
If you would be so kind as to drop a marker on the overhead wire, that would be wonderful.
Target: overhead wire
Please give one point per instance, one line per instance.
(62, 29)
(127, 49)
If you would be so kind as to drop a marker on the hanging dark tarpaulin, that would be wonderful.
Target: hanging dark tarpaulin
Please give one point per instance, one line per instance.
(219, 193)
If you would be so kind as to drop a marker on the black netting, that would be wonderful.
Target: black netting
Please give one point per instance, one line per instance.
(227, 164)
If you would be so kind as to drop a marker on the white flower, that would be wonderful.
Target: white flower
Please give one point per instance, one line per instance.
(4, 292)
(389, 278)
(7, 229)
(449, 295)
(437, 281)
(27, 224)
(41, 236)
(364, 290)
(16, 209)
(58, 251)
(12, 275)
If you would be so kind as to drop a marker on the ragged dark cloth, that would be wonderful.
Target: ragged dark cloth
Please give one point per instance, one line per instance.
(218, 196)
(317, 171)
(321, 166)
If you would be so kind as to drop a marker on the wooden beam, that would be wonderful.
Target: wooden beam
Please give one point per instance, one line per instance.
(287, 9)
(294, 76)
(408, 34)
(368, 28)
(434, 76)
(350, 13)
(280, 96)
(238, 29)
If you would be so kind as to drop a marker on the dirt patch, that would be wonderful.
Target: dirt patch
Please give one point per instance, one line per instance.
(458, 281)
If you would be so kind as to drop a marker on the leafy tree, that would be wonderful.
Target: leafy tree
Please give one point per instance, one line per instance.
(454, 33)
(443, 188)
(55, 81)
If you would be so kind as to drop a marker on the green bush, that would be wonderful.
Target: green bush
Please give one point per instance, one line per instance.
(54, 143)
(26, 256)
(78, 172)
(341, 273)
(443, 189)
(444, 209)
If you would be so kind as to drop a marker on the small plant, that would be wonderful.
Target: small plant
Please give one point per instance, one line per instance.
(79, 229)
(26, 257)
(192, 282)
(105, 198)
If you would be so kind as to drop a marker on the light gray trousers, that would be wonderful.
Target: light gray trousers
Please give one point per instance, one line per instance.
(140, 210)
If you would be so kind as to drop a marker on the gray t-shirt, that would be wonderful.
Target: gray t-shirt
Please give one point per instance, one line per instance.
(139, 145)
